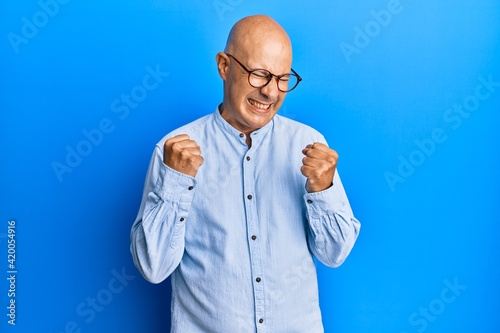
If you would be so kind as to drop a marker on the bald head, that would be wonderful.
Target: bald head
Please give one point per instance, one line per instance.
(255, 42)
(259, 37)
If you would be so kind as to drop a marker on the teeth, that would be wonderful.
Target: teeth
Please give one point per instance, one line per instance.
(259, 105)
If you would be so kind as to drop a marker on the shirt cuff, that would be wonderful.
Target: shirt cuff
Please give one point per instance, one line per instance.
(329, 200)
(174, 186)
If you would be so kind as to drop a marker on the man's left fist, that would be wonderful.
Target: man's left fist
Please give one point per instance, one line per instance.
(318, 166)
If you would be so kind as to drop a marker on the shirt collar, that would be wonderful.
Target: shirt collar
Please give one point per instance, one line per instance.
(256, 135)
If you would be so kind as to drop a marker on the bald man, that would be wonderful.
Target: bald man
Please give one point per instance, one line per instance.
(238, 203)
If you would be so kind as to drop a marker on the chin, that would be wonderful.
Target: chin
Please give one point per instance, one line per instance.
(259, 118)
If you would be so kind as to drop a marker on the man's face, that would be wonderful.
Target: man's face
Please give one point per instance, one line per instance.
(247, 108)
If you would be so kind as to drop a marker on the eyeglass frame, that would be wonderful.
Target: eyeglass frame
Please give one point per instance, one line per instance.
(270, 76)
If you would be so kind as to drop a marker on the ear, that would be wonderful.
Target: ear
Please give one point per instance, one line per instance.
(222, 64)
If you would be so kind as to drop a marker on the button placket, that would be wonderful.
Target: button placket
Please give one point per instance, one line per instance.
(252, 230)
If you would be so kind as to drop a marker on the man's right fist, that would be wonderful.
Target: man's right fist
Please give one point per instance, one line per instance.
(182, 154)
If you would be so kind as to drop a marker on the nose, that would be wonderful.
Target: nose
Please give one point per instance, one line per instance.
(271, 90)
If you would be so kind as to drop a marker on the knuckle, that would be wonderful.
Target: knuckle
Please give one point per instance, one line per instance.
(180, 137)
(318, 145)
(174, 145)
(184, 154)
(318, 172)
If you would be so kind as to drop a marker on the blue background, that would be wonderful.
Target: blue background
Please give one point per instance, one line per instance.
(428, 204)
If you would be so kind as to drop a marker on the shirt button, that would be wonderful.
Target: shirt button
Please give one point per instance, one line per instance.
(309, 201)
(242, 135)
(181, 219)
(249, 197)
(254, 237)
(248, 158)
(261, 320)
(258, 279)
(190, 188)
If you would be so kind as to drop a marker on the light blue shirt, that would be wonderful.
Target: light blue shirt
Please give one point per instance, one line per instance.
(239, 239)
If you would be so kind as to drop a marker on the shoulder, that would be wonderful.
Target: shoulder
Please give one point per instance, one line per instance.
(297, 129)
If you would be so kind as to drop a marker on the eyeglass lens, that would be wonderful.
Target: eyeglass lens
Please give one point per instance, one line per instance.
(259, 78)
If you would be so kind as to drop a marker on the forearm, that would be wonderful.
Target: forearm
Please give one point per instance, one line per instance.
(332, 227)
(157, 240)
(157, 235)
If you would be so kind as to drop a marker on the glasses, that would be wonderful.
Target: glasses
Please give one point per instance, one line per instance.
(259, 78)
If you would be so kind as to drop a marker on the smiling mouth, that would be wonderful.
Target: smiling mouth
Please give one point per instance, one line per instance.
(259, 105)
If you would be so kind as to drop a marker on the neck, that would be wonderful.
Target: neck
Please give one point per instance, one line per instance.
(247, 133)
